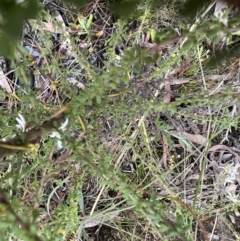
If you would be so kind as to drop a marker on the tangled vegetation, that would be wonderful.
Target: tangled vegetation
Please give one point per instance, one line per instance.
(116, 128)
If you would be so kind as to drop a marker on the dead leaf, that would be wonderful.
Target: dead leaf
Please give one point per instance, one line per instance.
(76, 83)
(223, 147)
(167, 96)
(93, 221)
(218, 77)
(44, 26)
(232, 218)
(99, 34)
(196, 176)
(146, 44)
(4, 83)
(147, 38)
(179, 81)
(196, 138)
(231, 188)
(220, 7)
(219, 11)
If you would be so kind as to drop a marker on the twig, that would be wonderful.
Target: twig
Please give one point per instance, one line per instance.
(23, 141)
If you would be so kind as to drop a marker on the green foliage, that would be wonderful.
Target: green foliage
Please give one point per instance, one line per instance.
(12, 17)
(113, 107)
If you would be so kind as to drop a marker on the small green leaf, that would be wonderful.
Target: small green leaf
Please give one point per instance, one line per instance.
(89, 21)
(152, 33)
(164, 228)
(187, 45)
(236, 33)
(7, 46)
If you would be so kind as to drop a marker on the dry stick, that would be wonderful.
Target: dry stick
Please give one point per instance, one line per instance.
(214, 227)
(21, 142)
